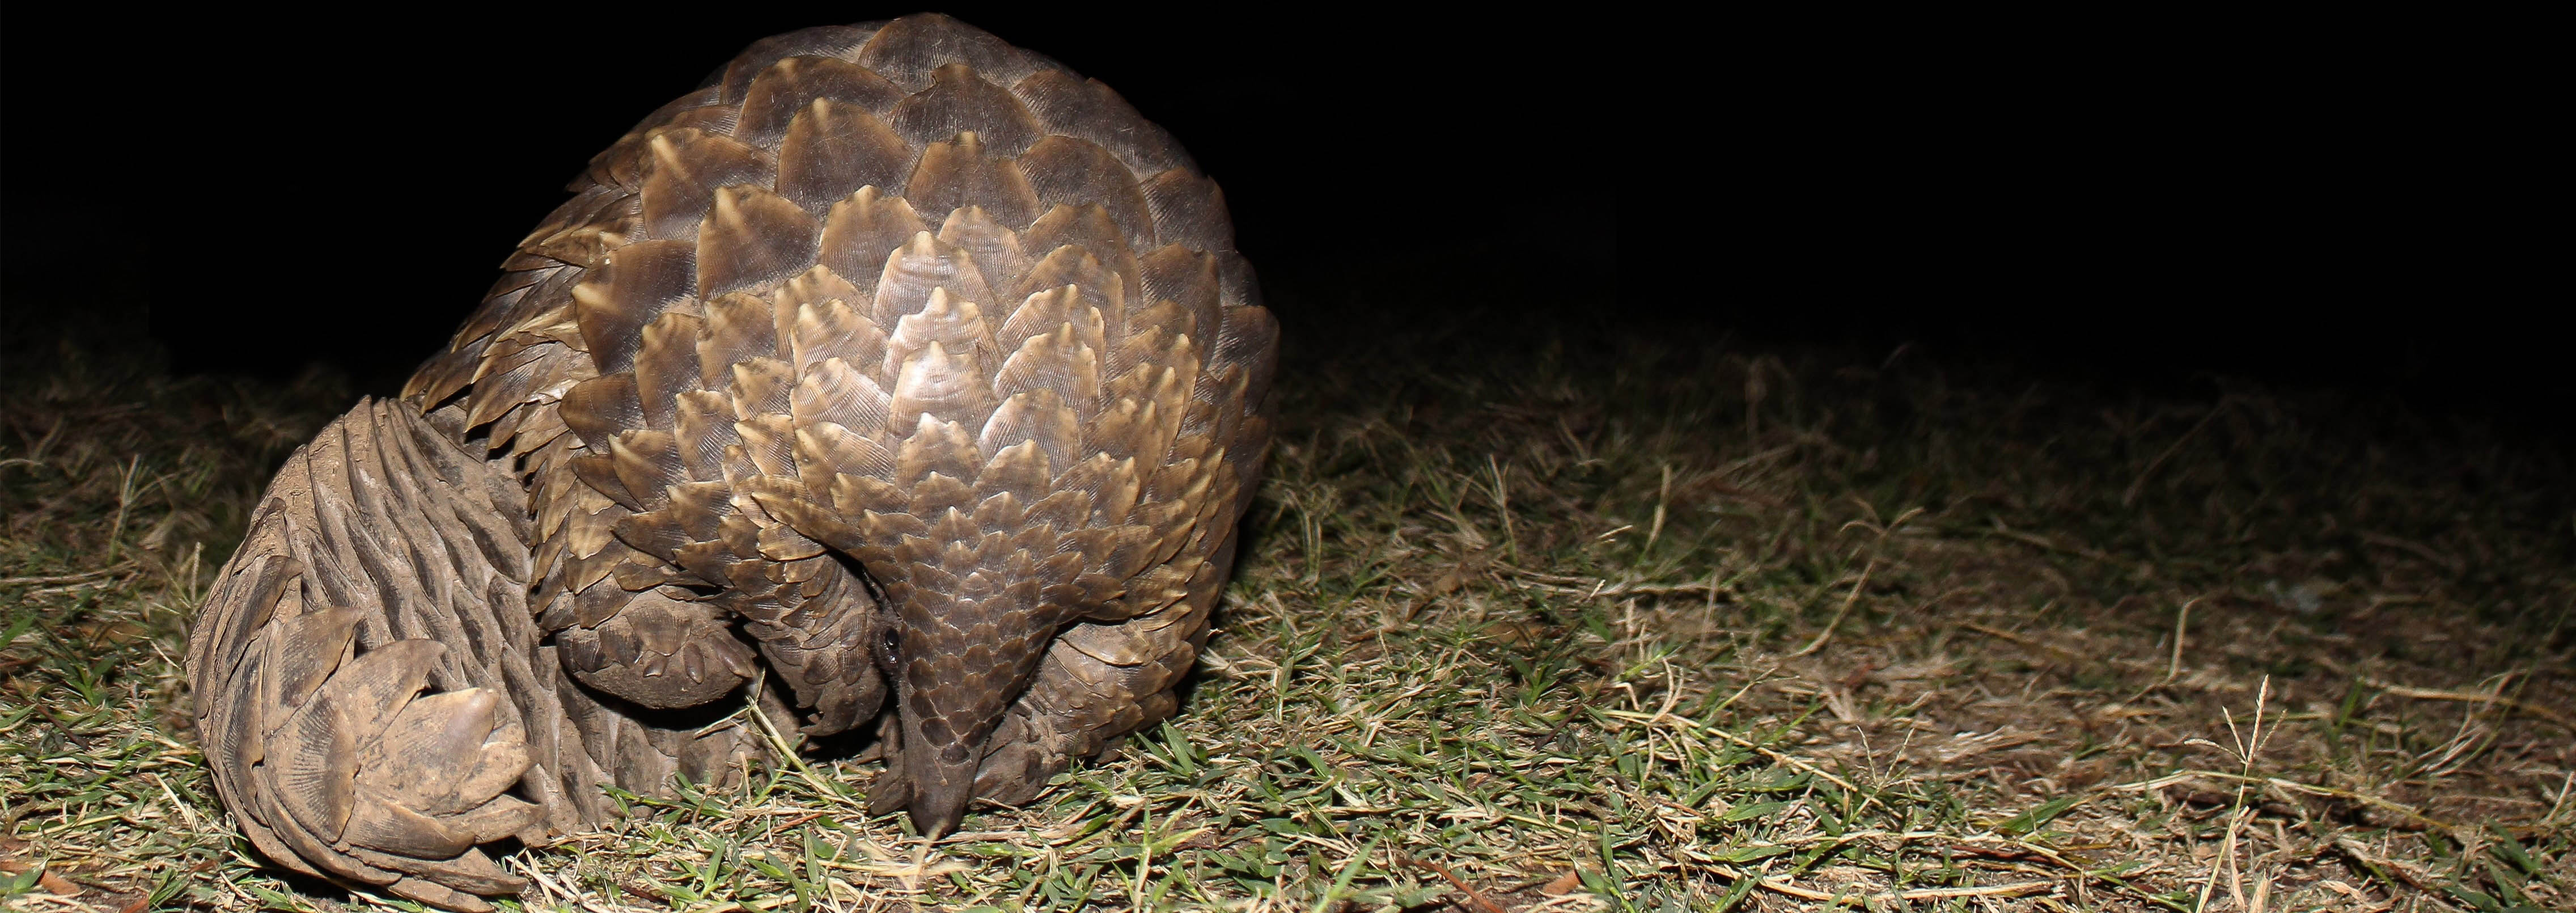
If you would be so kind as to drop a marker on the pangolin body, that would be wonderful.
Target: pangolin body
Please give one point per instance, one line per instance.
(897, 366)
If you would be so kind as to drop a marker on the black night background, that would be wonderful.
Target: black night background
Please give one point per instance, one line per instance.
(2049, 391)
(2144, 203)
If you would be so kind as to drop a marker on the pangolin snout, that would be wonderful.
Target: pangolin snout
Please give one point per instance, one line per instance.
(953, 684)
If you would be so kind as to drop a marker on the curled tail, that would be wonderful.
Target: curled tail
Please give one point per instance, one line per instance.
(370, 690)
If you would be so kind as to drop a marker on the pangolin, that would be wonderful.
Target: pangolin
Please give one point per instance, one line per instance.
(896, 375)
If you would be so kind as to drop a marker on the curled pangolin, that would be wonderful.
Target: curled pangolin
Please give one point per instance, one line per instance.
(897, 365)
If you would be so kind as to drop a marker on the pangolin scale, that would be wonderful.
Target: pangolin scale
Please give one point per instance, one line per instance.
(896, 366)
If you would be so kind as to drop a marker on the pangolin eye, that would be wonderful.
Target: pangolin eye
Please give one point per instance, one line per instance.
(889, 648)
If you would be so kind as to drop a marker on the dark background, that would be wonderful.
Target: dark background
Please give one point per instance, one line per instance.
(2142, 203)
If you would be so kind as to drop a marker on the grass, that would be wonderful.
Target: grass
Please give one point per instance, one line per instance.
(1563, 623)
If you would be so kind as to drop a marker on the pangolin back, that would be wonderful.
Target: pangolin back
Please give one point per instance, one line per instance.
(906, 352)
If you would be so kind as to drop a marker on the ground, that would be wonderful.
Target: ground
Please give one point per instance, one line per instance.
(1561, 620)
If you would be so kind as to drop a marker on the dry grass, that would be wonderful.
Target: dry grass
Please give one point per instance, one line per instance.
(1589, 626)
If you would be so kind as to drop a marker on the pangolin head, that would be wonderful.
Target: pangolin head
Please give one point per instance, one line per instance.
(955, 663)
